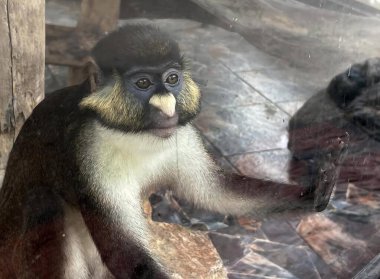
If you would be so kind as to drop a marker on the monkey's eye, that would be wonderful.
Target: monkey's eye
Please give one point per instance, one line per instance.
(143, 83)
(172, 79)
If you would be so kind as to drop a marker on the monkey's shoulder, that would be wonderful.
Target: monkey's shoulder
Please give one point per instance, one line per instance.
(44, 142)
(52, 116)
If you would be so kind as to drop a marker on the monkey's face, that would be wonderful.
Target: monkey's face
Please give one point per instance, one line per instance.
(150, 100)
(145, 85)
(157, 89)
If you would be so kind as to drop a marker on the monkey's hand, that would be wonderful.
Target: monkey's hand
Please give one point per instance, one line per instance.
(315, 175)
(236, 194)
(323, 170)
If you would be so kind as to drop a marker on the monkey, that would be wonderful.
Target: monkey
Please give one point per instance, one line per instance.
(88, 155)
(345, 87)
(350, 103)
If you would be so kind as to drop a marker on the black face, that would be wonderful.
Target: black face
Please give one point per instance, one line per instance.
(152, 91)
(144, 83)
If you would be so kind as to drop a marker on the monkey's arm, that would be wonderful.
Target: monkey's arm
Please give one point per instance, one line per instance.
(262, 197)
(240, 195)
(39, 251)
(119, 237)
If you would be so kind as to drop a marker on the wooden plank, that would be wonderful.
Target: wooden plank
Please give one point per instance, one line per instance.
(7, 130)
(22, 60)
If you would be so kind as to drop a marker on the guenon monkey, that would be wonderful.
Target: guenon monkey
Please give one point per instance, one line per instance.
(70, 204)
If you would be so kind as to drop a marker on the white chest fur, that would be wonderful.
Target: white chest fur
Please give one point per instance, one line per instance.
(140, 158)
(123, 165)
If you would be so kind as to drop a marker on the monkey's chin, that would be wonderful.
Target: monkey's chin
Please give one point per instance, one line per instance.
(163, 132)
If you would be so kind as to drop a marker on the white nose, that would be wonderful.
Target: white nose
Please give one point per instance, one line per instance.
(165, 103)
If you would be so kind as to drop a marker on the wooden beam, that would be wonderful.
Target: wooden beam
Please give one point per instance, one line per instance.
(22, 58)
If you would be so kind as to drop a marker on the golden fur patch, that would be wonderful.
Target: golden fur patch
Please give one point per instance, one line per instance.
(189, 98)
(114, 106)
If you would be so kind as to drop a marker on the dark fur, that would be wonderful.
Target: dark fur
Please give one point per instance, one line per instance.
(145, 46)
(350, 104)
(345, 87)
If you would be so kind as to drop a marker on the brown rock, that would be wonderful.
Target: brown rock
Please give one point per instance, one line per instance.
(185, 254)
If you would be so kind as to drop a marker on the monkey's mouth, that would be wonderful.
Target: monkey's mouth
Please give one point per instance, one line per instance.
(163, 132)
(163, 126)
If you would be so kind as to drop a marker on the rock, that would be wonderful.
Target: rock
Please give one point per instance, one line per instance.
(186, 254)
(292, 258)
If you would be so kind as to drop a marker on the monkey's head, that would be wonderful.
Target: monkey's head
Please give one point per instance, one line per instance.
(142, 84)
(347, 86)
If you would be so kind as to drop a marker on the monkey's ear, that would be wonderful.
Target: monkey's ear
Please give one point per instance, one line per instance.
(94, 74)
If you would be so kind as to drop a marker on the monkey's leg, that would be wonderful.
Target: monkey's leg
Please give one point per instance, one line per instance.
(120, 237)
(39, 253)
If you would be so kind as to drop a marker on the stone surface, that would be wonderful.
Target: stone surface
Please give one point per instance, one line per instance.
(281, 231)
(291, 107)
(255, 265)
(281, 85)
(371, 270)
(244, 129)
(216, 154)
(271, 164)
(223, 88)
(292, 257)
(230, 247)
(235, 52)
(343, 252)
(56, 77)
(316, 41)
(368, 8)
